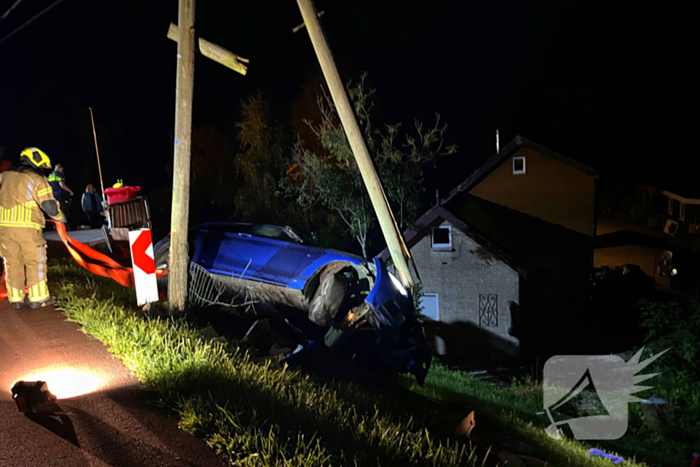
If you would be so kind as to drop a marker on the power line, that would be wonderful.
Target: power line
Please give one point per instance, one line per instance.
(10, 9)
(27, 23)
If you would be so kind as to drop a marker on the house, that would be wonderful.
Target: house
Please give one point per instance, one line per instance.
(506, 257)
(624, 247)
(669, 211)
(539, 182)
(681, 216)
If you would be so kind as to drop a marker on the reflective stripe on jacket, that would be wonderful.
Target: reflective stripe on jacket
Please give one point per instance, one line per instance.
(55, 180)
(23, 195)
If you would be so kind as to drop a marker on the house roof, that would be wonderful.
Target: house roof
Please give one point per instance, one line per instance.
(684, 189)
(518, 234)
(685, 186)
(511, 148)
(434, 216)
(631, 238)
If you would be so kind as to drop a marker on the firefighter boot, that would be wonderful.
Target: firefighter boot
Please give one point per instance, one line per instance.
(48, 302)
(15, 296)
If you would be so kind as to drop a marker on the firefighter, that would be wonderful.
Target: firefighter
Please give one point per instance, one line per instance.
(24, 193)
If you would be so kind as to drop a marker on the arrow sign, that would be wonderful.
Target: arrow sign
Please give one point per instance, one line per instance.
(139, 255)
(144, 266)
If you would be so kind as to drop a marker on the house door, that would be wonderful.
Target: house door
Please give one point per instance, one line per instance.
(431, 308)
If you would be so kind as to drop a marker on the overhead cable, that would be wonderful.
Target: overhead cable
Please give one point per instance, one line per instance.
(7, 13)
(27, 23)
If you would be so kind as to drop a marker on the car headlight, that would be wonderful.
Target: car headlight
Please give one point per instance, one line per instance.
(399, 286)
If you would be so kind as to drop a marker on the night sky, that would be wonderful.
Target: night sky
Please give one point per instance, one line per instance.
(593, 81)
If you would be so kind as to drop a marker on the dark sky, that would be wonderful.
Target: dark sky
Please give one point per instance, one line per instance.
(595, 81)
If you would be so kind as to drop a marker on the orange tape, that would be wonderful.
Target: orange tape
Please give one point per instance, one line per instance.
(100, 264)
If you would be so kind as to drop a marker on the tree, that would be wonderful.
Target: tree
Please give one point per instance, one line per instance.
(331, 177)
(212, 166)
(260, 164)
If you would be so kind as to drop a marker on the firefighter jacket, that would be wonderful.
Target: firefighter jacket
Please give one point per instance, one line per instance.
(24, 193)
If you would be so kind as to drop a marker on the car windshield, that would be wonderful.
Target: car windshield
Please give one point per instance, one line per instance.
(285, 234)
(272, 231)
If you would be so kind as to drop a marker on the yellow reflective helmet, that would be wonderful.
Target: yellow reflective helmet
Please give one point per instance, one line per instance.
(37, 157)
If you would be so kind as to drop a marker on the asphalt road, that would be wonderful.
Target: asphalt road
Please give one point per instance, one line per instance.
(114, 424)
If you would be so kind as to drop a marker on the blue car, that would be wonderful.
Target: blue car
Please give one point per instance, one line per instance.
(336, 290)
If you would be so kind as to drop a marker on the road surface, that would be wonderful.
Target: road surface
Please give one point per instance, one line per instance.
(114, 424)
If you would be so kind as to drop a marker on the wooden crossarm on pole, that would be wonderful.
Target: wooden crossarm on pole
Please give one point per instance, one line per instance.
(302, 25)
(215, 53)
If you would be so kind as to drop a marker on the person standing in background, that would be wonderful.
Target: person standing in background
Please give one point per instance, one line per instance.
(91, 203)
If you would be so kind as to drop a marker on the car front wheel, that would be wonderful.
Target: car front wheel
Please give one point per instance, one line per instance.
(327, 300)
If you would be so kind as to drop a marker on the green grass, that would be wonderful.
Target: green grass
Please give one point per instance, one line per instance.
(521, 414)
(268, 415)
(255, 415)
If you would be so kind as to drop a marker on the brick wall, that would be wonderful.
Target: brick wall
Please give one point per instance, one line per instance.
(459, 276)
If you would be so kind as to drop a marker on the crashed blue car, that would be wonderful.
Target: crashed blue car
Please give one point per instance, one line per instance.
(338, 291)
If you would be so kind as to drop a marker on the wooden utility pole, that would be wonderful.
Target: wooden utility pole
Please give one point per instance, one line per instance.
(394, 240)
(177, 293)
(184, 36)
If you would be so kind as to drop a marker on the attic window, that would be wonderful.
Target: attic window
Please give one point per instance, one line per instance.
(518, 165)
(442, 238)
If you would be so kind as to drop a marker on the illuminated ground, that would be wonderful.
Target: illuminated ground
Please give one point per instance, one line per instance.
(104, 418)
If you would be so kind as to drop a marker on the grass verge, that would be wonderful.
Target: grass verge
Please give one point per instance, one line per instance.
(520, 414)
(255, 415)
(264, 415)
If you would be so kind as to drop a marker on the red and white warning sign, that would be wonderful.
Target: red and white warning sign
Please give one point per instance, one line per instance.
(141, 246)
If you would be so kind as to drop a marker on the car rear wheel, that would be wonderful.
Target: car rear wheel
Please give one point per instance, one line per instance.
(327, 300)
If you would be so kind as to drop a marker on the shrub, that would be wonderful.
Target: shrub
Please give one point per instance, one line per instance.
(675, 327)
(527, 388)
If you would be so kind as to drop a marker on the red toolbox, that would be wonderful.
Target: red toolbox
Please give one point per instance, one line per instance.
(119, 195)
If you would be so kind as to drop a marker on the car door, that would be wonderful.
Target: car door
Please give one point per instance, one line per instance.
(247, 254)
(230, 250)
(286, 253)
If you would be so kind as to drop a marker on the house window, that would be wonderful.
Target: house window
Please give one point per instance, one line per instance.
(681, 214)
(518, 165)
(670, 206)
(431, 307)
(488, 310)
(442, 238)
(671, 227)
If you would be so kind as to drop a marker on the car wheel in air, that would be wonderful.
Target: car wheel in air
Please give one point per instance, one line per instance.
(327, 300)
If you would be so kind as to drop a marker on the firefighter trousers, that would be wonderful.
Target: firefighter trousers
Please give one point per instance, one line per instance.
(24, 252)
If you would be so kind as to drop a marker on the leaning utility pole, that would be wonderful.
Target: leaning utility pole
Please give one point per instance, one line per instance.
(184, 36)
(394, 240)
(177, 293)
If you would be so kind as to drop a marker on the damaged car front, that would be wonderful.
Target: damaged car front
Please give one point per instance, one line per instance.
(343, 294)
(389, 310)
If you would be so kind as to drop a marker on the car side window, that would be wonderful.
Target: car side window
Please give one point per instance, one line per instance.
(270, 231)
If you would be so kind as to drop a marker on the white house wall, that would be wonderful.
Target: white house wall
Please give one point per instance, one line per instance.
(461, 275)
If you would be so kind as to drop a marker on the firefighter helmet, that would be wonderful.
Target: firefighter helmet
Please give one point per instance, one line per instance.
(37, 157)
